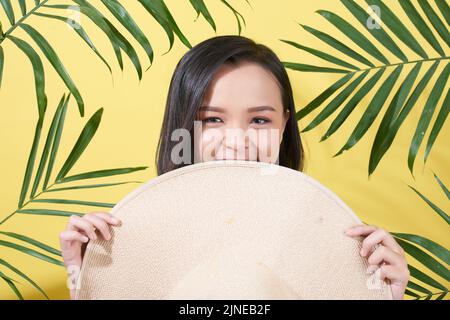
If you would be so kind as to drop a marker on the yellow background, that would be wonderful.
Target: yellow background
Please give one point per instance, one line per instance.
(129, 131)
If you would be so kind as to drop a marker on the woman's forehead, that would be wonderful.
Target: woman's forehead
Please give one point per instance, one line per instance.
(245, 85)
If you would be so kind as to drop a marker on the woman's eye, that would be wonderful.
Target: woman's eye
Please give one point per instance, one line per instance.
(264, 121)
(211, 119)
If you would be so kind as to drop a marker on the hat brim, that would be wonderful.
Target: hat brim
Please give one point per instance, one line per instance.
(201, 232)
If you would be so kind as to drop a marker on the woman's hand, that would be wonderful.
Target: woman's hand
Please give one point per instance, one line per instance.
(79, 231)
(384, 253)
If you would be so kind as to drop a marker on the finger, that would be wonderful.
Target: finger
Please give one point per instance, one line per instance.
(76, 223)
(100, 224)
(372, 268)
(109, 218)
(69, 235)
(379, 236)
(394, 274)
(360, 230)
(384, 254)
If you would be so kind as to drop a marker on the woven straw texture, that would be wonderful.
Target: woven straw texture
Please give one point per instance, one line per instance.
(230, 230)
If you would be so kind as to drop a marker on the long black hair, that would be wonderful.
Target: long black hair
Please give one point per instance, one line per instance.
(190, 80)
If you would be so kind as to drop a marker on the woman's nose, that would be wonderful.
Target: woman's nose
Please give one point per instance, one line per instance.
(235, 139)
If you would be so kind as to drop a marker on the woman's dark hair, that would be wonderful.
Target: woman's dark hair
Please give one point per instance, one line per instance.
(189, 83)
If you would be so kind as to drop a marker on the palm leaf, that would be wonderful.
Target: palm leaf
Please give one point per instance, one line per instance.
(421, 26)
(33, 242)
(75, 202)
(412, 294)
(332, 42)
(161, 13)
(21, 274)
(92, 186)
(11, 284)
(30, 252)
(417, 287)
(436, 249)
(100, 21)
(101, 174)
(6, 4)
(372, 111)
(157, 8)
(83, 141)
(236, 14)
(322, 55)
(127, 21)
(200, 8)
(117, 39)
(442, 116)
(49, 212)
(46, 163)
(336, 102)
(419, 275)
(426, 115)
(391, 122)
(80, 31)
(49, 154)
(379, 33)
(309, 68)
(350, 106)
(46, 150)
(398, 28)
(23, 7)
(38, 69)
(442, 296)
(395, 107)
(2, 62)
(56, 63)
(55, 142)
(439, 211)
(357, 37)
(424, 258)
(444, 8)
(31, 161)
(443, 187)
(372, 41)
(435, 21)
(322, 97)
(417, 247)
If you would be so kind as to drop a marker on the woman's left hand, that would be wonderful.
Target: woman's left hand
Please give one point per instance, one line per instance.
(383, 252)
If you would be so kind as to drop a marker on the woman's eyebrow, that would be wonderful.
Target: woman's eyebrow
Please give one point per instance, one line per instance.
(261, 108)
(209, 108)
(252, 109)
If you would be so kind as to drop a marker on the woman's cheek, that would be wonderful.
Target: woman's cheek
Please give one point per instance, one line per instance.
(268, 145)
(207, 143)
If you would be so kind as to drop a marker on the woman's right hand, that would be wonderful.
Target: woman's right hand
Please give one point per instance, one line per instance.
(79, 231)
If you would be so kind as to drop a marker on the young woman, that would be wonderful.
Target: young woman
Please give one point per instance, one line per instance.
(229, 83)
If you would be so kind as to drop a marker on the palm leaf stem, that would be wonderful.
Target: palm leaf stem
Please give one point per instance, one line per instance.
(15, 25)
(25, 204)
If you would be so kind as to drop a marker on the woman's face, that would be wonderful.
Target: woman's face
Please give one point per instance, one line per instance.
(241, 116)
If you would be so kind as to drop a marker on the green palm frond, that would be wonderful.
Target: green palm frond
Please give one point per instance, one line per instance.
(18, 17)
(420, 248)
(38, 182)
(371, 59)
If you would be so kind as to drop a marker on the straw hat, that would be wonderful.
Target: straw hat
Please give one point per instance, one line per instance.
(230, 229)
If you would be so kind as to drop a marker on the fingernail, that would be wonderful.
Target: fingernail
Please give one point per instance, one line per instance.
(362, 253)
(85, 239)
(115, 220)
